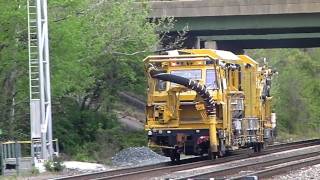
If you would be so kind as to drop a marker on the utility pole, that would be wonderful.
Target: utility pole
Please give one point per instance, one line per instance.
(39, 81)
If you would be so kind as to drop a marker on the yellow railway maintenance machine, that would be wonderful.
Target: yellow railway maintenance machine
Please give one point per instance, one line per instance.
(204, 101)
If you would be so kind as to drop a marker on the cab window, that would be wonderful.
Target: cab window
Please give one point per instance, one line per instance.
(211, 81)
(194, 74)
(161, 85)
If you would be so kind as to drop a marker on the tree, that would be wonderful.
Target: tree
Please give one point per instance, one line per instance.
(13, 69)
(96, 49)
(295, 89)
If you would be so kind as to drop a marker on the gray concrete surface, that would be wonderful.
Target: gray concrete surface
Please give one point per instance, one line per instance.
(200, 8)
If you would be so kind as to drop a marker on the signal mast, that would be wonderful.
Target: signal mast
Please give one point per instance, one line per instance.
(39, 81)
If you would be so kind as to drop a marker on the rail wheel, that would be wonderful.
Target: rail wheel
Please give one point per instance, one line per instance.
(212, 155)
(175, 156)
(261, 146)
(257, 147)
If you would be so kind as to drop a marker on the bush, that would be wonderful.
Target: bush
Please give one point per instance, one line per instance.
(55, 165)
(35, 171)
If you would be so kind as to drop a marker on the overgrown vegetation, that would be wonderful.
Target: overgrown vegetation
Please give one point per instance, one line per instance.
(55, 165)
(96, 49)
(296, 89)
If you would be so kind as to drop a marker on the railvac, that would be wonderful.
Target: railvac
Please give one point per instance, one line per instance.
(205, 101)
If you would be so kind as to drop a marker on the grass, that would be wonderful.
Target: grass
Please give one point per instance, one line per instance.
(284, 136)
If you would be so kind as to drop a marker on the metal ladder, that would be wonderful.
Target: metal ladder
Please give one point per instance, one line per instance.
(34, 77)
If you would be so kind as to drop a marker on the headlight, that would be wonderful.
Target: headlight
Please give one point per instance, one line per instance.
(149, 133)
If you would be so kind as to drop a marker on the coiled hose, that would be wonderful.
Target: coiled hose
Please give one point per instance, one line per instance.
(190, 84)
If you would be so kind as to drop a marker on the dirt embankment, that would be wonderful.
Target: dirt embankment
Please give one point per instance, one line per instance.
(131, 111)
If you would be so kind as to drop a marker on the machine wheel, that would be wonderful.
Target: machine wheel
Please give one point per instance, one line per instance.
(257, 147)
(261, 147)
(212, 155)
(175, 156)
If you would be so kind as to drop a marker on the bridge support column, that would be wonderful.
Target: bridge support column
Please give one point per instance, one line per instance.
(210, 45)
(205, 44)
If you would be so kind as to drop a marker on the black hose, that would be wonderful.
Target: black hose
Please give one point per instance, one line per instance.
(191, 84)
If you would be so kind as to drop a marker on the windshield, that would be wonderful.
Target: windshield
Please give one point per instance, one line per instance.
(194, 74)
(211, 81)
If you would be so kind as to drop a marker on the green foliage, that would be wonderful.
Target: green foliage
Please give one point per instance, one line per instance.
(92, 45)
(296, 89)
(96, 49)
(107, 143)
(35, 171)
(79, 125)
(55, 165)
(13, 69)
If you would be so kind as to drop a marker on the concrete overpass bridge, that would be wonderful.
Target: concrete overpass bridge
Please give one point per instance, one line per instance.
(244, 24)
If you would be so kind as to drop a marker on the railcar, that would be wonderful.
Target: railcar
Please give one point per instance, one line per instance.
(205, 101)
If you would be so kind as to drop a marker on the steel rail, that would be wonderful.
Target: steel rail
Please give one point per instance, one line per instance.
(128, 170)
(258, 167)
(148, 171)
(282, 168)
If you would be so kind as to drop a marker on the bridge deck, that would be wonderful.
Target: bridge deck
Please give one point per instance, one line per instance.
(201, 8)
(244, 24)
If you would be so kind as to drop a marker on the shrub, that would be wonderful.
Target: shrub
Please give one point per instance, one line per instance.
(35, 171)
(55, 165)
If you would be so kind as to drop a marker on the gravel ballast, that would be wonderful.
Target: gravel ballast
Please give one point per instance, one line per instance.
(311, 172)
(137, 156)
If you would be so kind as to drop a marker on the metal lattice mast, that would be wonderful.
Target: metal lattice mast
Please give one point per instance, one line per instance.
(39, 77)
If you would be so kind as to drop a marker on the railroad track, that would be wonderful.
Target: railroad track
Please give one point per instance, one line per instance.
(260, 168)
(268, 170)
(146, 172)
(106, 174)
